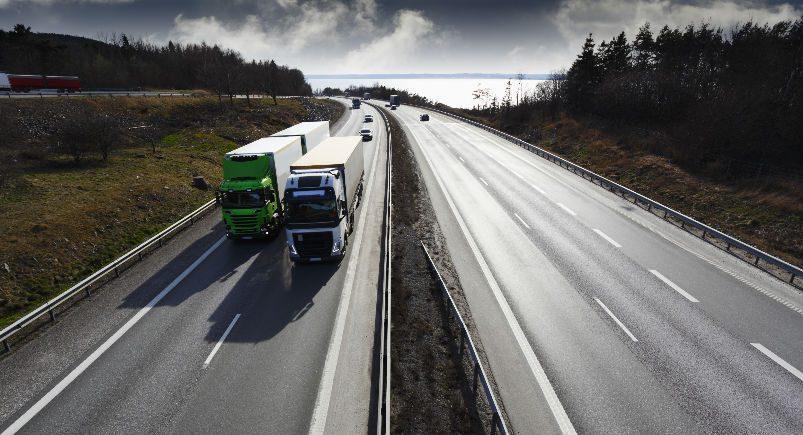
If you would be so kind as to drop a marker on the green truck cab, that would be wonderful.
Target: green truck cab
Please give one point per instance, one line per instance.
(252, 189)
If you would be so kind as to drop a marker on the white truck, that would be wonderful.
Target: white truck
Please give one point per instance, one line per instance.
(311, 134)
(321, 194)
(5, 84)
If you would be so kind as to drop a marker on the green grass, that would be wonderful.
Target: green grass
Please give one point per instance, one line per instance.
(61, 222)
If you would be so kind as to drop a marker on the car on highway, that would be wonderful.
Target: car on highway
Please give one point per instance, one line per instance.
(366, 134)
(387, 104)
(392, 107)
(369, 118)
(424, 117)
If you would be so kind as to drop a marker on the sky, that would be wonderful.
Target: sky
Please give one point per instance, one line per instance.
(394, 36)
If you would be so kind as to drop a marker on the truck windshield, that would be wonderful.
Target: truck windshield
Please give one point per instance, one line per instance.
(242, 200)
(311, 210)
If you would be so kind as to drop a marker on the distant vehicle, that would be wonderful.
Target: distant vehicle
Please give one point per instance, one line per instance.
(387, 104)
(395, 100)
(392, 107)
(321, 194)
(366, 96)
(369, 118)
(366, 134)
(355, 103)
(424, 117)
(27, 83)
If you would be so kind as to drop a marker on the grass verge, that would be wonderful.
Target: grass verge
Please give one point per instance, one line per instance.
(61, 221)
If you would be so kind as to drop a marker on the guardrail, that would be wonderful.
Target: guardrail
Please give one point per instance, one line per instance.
(497, 422)
(383, 411)
(115, 267)
(795, 274)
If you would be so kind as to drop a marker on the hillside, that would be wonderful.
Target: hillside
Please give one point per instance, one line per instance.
(62, 220)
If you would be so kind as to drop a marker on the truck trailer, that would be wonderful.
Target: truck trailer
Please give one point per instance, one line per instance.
(321, 195)
(395, 100)
(252, 190)
(366, 96)
(355, 103)
(30, 82)
(311, 134)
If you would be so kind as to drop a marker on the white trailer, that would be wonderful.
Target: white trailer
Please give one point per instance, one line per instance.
(311, 133)
(5, 84)
(321, 196)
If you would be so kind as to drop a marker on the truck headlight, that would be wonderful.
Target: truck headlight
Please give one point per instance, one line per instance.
(336, 246)
(292, 248)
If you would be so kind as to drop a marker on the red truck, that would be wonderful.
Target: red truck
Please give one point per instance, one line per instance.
(29, 82)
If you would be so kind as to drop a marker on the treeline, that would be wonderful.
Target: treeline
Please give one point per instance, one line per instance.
(725, 100)
(380, 92)
(121, 63)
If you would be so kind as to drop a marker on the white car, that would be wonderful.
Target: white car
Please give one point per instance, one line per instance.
(366, 134)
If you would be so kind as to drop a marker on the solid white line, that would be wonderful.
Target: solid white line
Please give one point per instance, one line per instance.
(461, 159)
(567, 209)
(64, 383)
(521, 220)
(537, 370)
(615, 319)
(605, 236)
(324, 396)
(789, 367)
(483, 181)
(220, 342)
(673, 285)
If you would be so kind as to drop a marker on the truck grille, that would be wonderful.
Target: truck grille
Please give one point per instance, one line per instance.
(245, 224)
(314, 244)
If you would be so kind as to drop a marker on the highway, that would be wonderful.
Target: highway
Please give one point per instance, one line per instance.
(597, 317)
(209, 335)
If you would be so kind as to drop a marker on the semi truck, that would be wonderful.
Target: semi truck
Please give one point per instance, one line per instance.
(29, 82)
(355, 103)
(252, 189)
(366, 96)
(311, 134)
(321, 195)
(394, 100)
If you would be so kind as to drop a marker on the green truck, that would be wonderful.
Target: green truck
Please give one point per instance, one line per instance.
(252, 190)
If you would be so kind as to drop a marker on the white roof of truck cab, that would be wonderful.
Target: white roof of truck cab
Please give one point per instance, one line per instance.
(302, 128)
(331, 152)
(266, 145)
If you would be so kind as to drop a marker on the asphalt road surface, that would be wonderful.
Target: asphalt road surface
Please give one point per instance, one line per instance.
(597, 316)
(209, 335)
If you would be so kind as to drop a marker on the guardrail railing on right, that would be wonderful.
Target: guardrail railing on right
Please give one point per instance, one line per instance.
(497, 421)
(754, 256)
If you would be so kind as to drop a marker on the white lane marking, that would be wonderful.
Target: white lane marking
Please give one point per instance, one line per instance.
(220, 342)
(673, 285)
(616, 319)
(521, 220)
(780, 361)
(538, 189)
(566, 209)
(516, 173)
(461, 159)
(606, 237)
(324, 396)
(64, 383)
(483, 181)
(502, 145)
(537, 370)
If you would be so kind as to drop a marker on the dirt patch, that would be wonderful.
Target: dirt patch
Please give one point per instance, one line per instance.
(431, 381)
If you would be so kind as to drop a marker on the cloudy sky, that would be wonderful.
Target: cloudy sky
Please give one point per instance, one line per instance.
(394, 36)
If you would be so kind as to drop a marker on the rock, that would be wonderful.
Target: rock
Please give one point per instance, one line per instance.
(199, 182)
(38, 228)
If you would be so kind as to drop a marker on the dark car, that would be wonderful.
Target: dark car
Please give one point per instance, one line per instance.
(369, 118)
(424, 117)
(366, 134)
